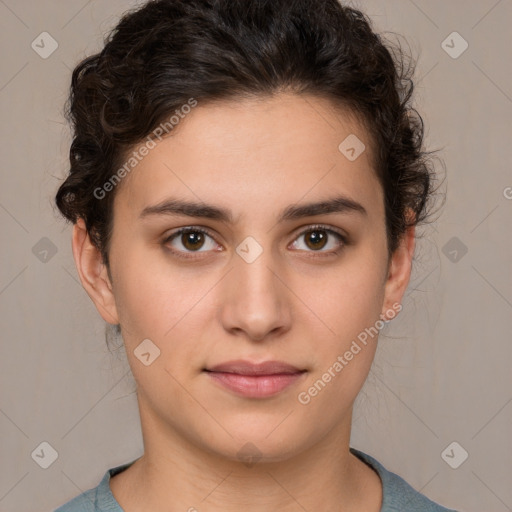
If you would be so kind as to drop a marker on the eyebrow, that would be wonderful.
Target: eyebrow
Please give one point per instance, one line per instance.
(177, 207)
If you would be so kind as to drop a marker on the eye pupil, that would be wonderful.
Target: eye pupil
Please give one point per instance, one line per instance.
(195, 239)
(316, 237)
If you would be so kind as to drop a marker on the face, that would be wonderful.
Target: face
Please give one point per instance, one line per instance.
(261, 275)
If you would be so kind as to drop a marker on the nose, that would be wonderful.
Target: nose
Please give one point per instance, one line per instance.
(255, 300)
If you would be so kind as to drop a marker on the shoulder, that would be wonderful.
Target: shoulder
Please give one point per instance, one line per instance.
(397, 494)
(98, 499)
(85, 502)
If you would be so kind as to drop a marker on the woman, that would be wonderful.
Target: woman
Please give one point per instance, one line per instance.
(246, 178)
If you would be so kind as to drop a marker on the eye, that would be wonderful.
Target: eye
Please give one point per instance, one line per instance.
(192, 239)
(319, 237)
(198, 240)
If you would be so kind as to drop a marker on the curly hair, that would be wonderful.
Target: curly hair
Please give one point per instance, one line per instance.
(167, 51)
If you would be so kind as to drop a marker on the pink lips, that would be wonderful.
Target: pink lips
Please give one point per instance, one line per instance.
(255, 380)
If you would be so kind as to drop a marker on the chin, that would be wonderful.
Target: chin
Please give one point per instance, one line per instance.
(251, 446)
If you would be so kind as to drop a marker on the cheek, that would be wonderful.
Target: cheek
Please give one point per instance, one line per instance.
(348, 306)
(349, 303)
(349, 298)
(152, 296)
(168, 306)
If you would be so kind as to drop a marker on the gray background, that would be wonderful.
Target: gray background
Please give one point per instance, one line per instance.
(442, 370)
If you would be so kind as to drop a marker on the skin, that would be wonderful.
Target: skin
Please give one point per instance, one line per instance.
(293, 303)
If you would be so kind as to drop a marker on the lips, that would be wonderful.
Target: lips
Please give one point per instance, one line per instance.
(242, 367)
(255, 380)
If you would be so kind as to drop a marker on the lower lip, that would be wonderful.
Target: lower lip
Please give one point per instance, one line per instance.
(255, 386)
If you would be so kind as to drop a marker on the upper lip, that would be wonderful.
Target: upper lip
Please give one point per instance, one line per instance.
(242, 367)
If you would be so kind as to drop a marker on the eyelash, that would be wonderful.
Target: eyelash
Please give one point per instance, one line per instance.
(195, 229)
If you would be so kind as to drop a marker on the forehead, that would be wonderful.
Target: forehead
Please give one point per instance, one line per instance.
(256, 152)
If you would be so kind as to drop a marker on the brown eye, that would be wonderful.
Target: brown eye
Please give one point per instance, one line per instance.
(317, 238)
(190, 240)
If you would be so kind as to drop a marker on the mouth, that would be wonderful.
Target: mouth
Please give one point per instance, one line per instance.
(241, 367)
(255, 380)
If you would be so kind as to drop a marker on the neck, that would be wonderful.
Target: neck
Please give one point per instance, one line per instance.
(181, 473)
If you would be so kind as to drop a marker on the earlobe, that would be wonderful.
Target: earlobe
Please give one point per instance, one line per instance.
(399, 272)
(93, 273)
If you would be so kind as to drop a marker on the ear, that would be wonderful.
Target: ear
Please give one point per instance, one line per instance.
(399, 272)
(93, 273)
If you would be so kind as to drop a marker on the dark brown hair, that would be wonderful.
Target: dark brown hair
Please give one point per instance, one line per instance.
(168, 51)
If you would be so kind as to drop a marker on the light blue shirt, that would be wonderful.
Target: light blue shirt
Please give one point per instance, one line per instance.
(397, 494)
